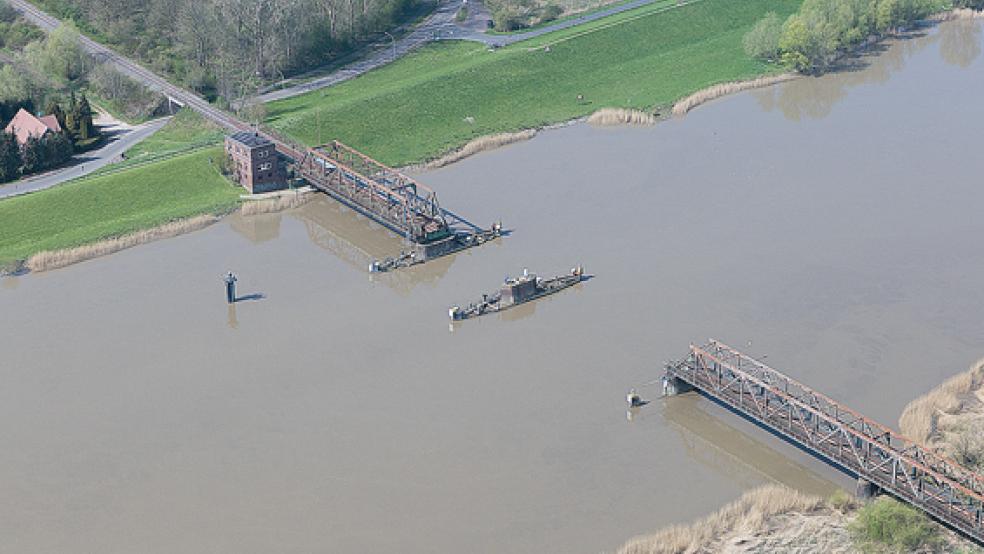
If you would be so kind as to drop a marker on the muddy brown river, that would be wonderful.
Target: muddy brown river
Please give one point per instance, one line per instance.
(831, 225)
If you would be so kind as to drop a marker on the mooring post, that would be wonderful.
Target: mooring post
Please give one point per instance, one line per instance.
(230, 283)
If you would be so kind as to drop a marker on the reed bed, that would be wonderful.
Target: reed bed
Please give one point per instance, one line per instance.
(613, 117)
(54, 259)
(717, 91)
(481, 144)
(920, 419)
(276, 204)
(748, 514)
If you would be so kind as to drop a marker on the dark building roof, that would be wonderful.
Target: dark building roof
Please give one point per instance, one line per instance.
(251, 139)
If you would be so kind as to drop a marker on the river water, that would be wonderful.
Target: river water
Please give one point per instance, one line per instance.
(829, 224)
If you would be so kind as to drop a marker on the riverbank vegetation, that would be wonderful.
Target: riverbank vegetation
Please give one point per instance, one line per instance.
(886, 523)
(774, 518)
(814, 37)
(950, 418)
(444, 95)
(224, 49)
(115, 204)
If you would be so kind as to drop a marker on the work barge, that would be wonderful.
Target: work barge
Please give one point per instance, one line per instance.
(516, 291)
(391, 199)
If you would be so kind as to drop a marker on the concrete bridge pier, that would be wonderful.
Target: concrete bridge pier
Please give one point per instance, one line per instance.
(866, 490)
(673, 386)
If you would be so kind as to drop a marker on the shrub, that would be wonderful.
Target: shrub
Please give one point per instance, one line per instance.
(762, 41)
(130, 98)
(550, 13)
(842, 501)
(508, 18)
(7, 13)
(887, 522)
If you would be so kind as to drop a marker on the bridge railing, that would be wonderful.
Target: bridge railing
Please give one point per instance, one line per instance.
(819, 424)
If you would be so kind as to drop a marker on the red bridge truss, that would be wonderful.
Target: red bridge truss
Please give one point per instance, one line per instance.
(909, 471)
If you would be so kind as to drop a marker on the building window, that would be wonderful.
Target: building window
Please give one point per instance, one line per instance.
(266, 166)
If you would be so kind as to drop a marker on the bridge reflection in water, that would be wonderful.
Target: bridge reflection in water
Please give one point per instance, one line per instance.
(357, 240)
(727, 449)
(880, 458)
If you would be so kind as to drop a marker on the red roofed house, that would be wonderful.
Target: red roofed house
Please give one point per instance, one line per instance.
(24, 126)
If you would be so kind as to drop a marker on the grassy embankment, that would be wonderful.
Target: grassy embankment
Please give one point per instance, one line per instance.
(164, 183)
(446, 94)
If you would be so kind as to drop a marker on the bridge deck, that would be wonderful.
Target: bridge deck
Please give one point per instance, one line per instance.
(379, 192)
(909, 471)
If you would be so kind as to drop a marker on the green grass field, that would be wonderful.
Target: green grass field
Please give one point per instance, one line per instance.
(98, 207)
(448, 93)
(186, 129)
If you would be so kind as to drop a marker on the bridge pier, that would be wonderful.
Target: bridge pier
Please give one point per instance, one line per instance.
(866, 490)
(673, 386)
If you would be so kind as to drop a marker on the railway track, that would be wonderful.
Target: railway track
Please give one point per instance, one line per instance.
(134, 70)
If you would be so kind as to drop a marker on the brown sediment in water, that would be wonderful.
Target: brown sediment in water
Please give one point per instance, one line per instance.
(481, 144)
(611, 117)
(944, 417)
(723, 89)
(54, 259)
(276, 204)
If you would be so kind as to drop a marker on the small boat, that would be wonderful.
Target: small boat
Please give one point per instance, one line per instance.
(516, 291)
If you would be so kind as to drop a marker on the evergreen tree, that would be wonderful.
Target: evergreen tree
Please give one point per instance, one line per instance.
(10, 159)
(32, 155)
(52, 108)
(57, 148)
(72, 116)
(86, 128)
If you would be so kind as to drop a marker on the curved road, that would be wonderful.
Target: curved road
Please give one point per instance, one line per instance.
(86, 162)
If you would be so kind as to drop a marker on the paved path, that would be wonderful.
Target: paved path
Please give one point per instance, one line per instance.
(121, 139)
(441, 25)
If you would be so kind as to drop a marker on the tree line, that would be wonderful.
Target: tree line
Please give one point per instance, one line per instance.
(226, 48)
(812, 38)
(39, 69)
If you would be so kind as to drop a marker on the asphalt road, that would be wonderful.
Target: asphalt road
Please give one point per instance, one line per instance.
(440, 25)
(121, 139)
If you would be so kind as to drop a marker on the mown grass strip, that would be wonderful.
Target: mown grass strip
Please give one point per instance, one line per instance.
(95, 208)
(449, 93)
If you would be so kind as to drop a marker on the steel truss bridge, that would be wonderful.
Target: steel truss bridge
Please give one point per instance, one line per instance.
(379, 192)
(907, 470)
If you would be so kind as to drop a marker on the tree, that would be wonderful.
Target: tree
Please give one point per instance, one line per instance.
(57, 148)
(32, 155)
(762, 41)
(52, 108)
(10, 160)
(86, 129)
(72, 116)
(60, 54)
